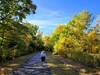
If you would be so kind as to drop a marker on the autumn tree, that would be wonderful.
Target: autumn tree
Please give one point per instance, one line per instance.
(75, 30)
(48, 43)
(11, 15)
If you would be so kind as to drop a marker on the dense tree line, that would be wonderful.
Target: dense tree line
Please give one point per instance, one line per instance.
(17, 38)
(76, 40)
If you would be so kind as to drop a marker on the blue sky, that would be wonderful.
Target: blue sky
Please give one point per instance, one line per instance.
(50, 13)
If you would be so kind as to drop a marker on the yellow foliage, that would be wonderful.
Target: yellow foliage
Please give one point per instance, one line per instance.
(66, 44)
(84, 15)
(59, 28)
(91, 35)
(46, 40)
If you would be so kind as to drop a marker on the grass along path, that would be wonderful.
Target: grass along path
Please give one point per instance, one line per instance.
(57, 64)
(62, 66)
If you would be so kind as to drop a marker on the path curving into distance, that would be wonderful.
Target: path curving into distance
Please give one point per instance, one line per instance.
(32, 66)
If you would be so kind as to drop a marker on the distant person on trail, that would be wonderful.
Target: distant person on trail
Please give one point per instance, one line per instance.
(43, 56)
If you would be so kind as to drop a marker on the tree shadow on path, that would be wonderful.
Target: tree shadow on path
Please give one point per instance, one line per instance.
(33, 66)
(62, 66)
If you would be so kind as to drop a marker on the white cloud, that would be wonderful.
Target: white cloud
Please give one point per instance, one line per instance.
(47, 19)
(47, 23)
(46, 16)
(40, 22)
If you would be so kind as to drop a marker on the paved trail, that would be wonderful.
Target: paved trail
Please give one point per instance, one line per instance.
(33, 66)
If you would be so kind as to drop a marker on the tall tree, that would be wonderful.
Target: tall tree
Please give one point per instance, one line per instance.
(75, 30)
(12, 12)
(15, 9)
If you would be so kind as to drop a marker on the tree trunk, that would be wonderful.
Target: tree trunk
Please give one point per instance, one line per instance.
(1, 45)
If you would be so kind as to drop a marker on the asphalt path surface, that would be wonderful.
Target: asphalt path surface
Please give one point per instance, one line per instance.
(32, 66)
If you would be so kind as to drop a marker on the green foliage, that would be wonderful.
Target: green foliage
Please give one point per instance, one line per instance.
(55, 36)
(69, 32)
(15, 36)
(18, 42)
(48, 43)
(73, 40)
(15, 9)
(32, 29)
(39, 41)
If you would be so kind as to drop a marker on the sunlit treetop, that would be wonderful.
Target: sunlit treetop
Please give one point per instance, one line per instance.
(16, 9)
